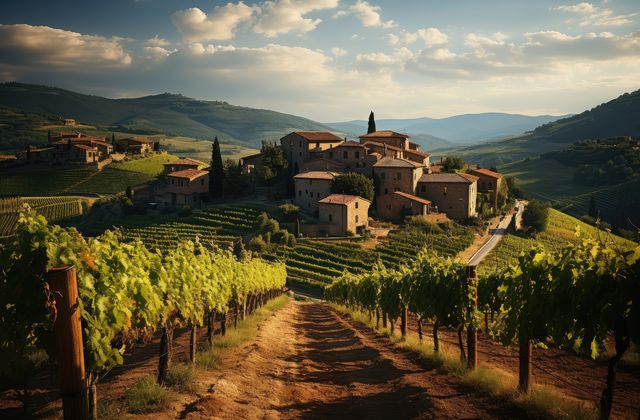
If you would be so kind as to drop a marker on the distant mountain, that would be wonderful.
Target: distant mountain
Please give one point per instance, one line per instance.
(165, 113)
(458, 129)
(618, 117)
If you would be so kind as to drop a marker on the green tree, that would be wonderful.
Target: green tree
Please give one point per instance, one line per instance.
(593, 208)
(452, 163)
(353, 183)
(273, 161)
(216, 172)
(236, 183)
(536, 217)
(372, 124)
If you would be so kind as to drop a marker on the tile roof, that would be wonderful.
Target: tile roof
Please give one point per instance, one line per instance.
(375, 143)
(412, 197)
(317, 175)
(189, 174)
(486, 172)
(348, 143)
(318, 136)
(341, 199)
(389, 162)
(5, 157)
(457, 177)
(83, 146)
(385, 134)
(417, 153)
(40, 149)
(435, 168)
(185, 161)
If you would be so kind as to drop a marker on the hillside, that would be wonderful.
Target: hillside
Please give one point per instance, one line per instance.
(166, 113)
(561, 231)
(458, 129)
(618, 117)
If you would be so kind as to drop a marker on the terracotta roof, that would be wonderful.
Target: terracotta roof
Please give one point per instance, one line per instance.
(457, 177)
(348, 143)
(255, 155)
(318, 136)
(83, 147)
(412, 197)
(186, 161)
(385, 134)
(388, 162)
(316, 175)
(486, 172)
(417, 152)
(341, 199)
(375, 143)
(435, 168)
(40, 149)
(189, 174)
(6, 157)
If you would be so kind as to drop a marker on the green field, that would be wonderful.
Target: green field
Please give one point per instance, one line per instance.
(53, 208)
(201, 149)
(560, 232)
(549, 180)
(52, 180)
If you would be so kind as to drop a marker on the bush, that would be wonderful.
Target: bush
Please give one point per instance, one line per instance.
(350, 233)
(353, 183)
(419, 223)
(257, 245)
(535, 217)
(185, 211)
(452, 163)
(289, 212)
(146, 396)
(181, 377)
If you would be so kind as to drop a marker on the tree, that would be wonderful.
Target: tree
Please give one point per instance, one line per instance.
(129, 193)
(372, 124)
(49, 136)
(113, 139)
(353, 183)
(216, 172)
(536, 217)
(593, 208)
(235, 182)
(273, 161)
(452, 164)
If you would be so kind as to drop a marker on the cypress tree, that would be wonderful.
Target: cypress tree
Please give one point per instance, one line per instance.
(49, 136)
(216, 173)
(372, 124)
(593, 208)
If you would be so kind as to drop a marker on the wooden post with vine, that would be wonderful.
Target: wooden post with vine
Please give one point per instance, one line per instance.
(472, 331)
(68, 331)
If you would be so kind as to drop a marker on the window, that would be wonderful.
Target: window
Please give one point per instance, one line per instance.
(383, 175)
(299, 193)
(331, 217)
(423, 188)
(345, 154)
(357, 155)
(444, 191)
(300, 144)
(317, 195)
(386, 190)
(396, 189)
(398, 176)
(356, 218)
(311, 182)
(202, 181)
(330, 155)
(195, 198)
(306, 192)
(364, 164)
(356, 204)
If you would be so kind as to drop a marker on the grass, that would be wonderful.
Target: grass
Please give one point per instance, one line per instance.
(540, 402)
(147, 396)
(201, 149)
(182, 378)
(560, 232)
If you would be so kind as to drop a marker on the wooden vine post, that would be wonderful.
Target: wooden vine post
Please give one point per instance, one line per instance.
(404, 320)
(68, 331)
(472, 331)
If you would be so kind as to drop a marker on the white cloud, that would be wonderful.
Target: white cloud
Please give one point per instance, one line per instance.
(338, 52)
(284, 16)
(58, 48)
(430, 37)
(367, 14)
(195, 25)
(156, 41)
(590, 15)
(157, 53)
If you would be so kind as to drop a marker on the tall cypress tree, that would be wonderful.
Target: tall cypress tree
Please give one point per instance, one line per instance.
(593, 208)
(372, 124)
(216, 173)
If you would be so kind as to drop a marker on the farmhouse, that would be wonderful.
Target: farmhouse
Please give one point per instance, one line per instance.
(341, 214)
(489, 182)
(396, 175)
(452, 193)
(138, 145)
(184, 188)
(311, 187)
(398, 205)
(182, 164)
(251, 163)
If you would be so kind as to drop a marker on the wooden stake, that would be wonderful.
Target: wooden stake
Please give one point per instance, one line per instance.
(68, 330)
(472, 332)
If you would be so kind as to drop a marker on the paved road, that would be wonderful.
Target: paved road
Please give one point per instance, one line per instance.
(496, 235)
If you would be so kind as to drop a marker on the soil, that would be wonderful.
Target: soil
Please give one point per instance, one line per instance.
(307, 361)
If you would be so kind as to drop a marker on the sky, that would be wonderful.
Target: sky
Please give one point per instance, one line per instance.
(333, 60)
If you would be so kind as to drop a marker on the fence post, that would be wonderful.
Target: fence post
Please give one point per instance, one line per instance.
(68, 331)
(472, 332)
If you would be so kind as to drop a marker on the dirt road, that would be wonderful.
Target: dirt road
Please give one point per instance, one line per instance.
(306, 362)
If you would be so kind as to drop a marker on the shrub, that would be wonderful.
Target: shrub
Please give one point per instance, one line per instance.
(181, 377)
(257, 244)
(419, 223)
(185, 211)
(289, 212)
(536, 217)
(353, 183)
(269, 226)
(452, 163)
(146, 395)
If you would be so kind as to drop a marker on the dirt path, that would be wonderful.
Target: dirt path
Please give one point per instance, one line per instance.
(307, 362)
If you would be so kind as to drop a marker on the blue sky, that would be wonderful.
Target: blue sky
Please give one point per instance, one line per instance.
(333, 60)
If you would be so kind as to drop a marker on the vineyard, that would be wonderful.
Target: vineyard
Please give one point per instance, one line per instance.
(126, 294)
(560, 232)
(53, 208)
(577, 297)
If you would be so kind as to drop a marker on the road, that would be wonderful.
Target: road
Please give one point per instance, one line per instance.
(496, 235)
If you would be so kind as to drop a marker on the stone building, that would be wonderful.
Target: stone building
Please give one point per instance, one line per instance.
(297, 146)
(452, 193)
(341, 214)
(182, 164)
(397, 205)
(138, 145)
(396, 175)
(184, 188)
(311, 187)
(489, 182)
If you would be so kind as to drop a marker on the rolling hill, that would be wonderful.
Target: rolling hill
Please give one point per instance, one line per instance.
(619, 117)
(166, 113)
(459, 129)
